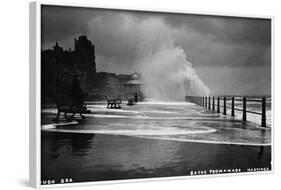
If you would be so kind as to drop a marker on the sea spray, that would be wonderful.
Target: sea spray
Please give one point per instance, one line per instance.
(148, 43)
(166, 73)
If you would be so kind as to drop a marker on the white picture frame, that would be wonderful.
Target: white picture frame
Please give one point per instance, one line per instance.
(35, 91)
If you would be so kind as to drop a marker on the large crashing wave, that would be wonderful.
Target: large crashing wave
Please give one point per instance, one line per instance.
(148, 45)
(166, 73)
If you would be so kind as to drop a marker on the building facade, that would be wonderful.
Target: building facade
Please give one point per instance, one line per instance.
(57, 65)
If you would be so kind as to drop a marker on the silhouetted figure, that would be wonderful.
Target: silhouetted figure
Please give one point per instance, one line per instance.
(77, 93)
(136, 97)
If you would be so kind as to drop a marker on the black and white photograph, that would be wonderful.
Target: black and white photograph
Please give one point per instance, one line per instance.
(135, 94)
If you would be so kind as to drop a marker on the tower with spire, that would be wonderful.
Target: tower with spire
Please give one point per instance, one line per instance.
(84, 52)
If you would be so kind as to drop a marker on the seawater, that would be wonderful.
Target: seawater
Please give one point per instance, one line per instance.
(177, 121)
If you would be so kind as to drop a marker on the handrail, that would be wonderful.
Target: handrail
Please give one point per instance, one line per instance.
(213, 102)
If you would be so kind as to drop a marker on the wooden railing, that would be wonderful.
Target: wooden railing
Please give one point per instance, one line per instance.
(208, 102)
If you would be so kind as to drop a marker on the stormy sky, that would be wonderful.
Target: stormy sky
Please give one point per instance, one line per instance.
(231, 55)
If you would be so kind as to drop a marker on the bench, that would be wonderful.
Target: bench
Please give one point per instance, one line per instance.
(131, 101)
(113, 102)
(66, 104)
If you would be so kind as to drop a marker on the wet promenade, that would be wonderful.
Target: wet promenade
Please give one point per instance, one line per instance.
(150, 139)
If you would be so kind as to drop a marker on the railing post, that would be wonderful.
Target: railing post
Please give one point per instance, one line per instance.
(244, 109)
(206, 102)
(263, 113)
(213, 103)
(203, 101)
(209, 103)
(232, 106)
(224, 105)
(218, 106)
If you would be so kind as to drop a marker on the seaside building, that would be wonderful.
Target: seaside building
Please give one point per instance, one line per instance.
(134, 85)
(84, 54)
(57, 65)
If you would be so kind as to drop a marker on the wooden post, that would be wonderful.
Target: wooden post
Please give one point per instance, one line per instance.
(224, 105)
(244, 109)
(206, 102)
(218, 106)
(263, 113)
(209, 107)
(232, 106)
(213, 103)
(203, 101)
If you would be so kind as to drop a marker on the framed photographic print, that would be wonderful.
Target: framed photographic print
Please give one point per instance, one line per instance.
(132, 95)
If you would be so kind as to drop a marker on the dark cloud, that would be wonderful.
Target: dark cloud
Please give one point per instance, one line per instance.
(208, 33)
(208, 41)
(227, 29)
(61, 22)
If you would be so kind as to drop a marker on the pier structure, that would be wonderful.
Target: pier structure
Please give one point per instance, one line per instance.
(208, 102)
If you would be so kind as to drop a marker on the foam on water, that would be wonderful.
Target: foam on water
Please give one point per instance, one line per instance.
(155, 102)
(176, 121)
(104, 108)
(142, 117)
(185, 133)
(137, 132)
(54, 125)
